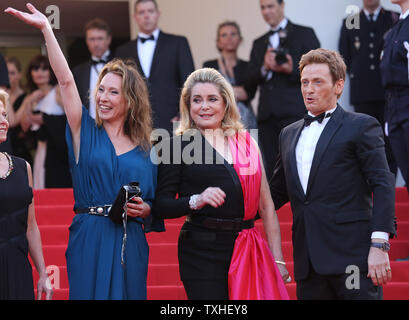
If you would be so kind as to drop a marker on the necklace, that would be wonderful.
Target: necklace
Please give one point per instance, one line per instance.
(10, 166)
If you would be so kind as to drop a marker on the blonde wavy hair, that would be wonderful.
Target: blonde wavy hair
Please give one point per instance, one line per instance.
(138, 120)
(231, 122)
(4, 98)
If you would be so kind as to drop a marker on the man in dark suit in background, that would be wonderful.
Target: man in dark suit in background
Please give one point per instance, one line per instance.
(273, 67)
(332, 168)
(164, 59)
(361, 49)
(98, 39)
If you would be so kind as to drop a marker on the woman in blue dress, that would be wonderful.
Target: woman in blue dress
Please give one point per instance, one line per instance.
(104, 155)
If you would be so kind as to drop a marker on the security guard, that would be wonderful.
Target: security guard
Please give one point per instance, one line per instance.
(395, 78)
(361, 48)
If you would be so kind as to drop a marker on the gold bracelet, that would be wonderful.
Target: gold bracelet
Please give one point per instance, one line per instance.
(280, 262)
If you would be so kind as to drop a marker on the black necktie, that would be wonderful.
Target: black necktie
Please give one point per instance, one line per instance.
(146, 39)
(308, 119)
(371, 17)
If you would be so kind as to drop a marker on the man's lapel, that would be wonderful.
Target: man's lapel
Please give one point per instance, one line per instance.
(330, 129)
(293, 159)
(157, 53)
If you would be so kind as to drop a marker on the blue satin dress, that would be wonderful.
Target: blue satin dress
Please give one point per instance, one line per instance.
(95, 242)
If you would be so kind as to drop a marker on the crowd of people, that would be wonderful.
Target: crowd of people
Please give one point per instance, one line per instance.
(94, 128)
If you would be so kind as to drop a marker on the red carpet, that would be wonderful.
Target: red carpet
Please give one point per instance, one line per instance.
(54, 214)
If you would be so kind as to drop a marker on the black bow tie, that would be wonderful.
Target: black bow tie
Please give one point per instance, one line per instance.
(98, 61)
(272, 32)
(308, 119)
(146, 39)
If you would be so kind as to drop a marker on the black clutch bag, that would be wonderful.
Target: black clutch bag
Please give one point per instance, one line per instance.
(125, 194)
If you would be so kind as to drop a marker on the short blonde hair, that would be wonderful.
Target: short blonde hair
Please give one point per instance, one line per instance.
(4, 98)
(331, 58)
(138, 120)
(231, 122)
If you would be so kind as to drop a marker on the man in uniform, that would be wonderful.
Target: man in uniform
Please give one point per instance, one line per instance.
(361, 49)
(395, 78)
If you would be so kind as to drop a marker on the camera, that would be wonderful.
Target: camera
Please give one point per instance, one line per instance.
(125, 194)
(281, 51)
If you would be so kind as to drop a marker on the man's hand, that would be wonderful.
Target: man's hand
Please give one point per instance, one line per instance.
(271, 64)
(379, 269)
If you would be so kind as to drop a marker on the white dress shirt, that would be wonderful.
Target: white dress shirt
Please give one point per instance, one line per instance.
(146, 51)
(404, 14)
(93, 79)
(274, 42)
(304, 153)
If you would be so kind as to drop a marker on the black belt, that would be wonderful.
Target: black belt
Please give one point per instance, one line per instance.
(98, 210)
(220, 224)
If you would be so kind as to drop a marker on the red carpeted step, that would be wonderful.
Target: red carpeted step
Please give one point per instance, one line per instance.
(166, 293)
(163, 275)
(402, 211)
(399, 249)
(53, 197)
(54, 234)
(396, 291)
(401, 195)
(54, 214)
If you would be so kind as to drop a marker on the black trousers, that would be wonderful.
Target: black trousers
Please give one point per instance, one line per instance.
(206, 289)
(335, 287)
(397, 116)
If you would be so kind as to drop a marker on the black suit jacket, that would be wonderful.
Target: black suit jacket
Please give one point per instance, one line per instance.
(172, 63)
(333, 221)
(82, 75)
(361, 49)
(280, 96)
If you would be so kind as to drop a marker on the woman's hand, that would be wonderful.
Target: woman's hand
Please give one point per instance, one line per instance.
(36, 18)
(284, 272)
(136, 207)
(44, 285)
(213, 196)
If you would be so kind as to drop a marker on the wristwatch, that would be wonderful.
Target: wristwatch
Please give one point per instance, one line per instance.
(193, 202)
(384, 246)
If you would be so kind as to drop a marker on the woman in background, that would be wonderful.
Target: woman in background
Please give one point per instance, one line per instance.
(19, 137)
(46, 117)
(233, 69)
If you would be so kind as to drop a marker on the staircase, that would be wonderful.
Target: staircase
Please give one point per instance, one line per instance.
(54, 215)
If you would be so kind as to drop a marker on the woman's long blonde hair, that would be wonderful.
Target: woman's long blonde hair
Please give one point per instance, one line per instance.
(231, 122)
(138, 120)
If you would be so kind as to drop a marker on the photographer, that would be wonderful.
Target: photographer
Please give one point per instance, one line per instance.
(274, 68)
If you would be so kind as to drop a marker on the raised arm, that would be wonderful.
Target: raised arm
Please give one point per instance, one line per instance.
(69, 93)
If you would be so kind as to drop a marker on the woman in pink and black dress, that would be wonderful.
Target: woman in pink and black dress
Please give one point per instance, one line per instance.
(214, 167)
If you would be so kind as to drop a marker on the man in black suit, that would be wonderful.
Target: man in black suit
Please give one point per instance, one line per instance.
(164, 59)
(98, 38)
(273, 67)
(332, 168)
(361, 49)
